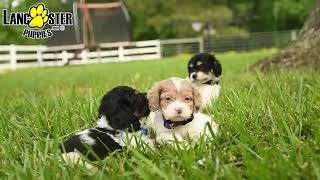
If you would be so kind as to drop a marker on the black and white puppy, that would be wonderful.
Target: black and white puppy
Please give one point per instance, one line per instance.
(205, 71)
(118, 122)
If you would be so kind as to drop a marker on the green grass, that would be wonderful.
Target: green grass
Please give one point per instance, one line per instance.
(269, 123)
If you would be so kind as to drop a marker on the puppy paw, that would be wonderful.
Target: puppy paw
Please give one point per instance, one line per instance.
(74, 159)
(71, 157)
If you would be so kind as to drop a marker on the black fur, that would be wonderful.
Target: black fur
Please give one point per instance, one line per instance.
(122, 107)
(103, 146)
(209, 63)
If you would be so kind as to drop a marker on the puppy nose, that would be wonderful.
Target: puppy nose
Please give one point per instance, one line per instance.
(178, 110)
(194, 76)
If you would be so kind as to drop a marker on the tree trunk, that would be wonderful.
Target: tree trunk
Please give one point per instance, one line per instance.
(305, 51)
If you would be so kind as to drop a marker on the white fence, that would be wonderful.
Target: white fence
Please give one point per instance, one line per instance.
(233, 42)
(18, 56)
(178, 46)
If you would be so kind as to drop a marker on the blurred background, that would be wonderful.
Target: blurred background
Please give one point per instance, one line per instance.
(112, 31)
(167, 19)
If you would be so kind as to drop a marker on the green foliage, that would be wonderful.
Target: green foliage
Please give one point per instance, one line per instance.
(291, 14)
(167, 19)
(273, 15)
(173, 18)
(269, 123)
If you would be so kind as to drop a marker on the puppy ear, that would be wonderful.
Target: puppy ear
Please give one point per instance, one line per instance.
(120, 114)
(216, 66)
(154, 97)
(196, 99)
(103, 106)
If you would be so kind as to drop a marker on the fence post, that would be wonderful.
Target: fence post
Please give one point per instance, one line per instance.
(121, 53)
(201, 44)
(39, 55)
(99, 54)
(293, 35)
(64, 58)
(158, 46)
(13, 56)
(84, 57)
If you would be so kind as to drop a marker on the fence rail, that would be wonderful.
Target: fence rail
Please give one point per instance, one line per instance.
(20, 56)
(224, 43)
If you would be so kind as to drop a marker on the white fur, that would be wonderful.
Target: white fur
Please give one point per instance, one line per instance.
(133, 139)
(84, 136)
(87, 131)
(123, 139)
(145, 121)
(150, 121)
(87, 139)
(201, 76)
(209, 92)
(129, 139)
(74, 158)
(169, 112)
(103, 123)
(177, 82)
(71, 157)
(193, 130)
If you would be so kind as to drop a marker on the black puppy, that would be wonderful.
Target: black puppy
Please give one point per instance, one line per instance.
(205, 71)
(120, 111)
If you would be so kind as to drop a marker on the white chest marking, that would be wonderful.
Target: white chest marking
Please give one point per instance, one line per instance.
(84, 136)
(209, 93)
(103, 123)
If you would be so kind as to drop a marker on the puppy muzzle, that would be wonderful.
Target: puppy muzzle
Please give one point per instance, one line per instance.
(193, 76)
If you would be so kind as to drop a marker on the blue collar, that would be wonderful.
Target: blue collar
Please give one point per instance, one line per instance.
(143, 131)
(172, 124)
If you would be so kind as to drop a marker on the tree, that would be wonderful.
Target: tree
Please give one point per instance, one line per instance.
(155, 19)
(304, 51)
(172, 18)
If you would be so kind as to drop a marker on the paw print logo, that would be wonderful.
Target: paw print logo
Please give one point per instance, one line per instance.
(39, 16)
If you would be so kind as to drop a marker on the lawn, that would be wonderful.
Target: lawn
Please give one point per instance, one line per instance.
(269, 123)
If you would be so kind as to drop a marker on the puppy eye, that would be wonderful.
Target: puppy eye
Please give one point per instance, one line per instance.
(168, 98)
(188, 98)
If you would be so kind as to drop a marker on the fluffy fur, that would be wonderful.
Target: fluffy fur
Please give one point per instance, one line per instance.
(118, 122)
(204, 72)
(177, 101)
